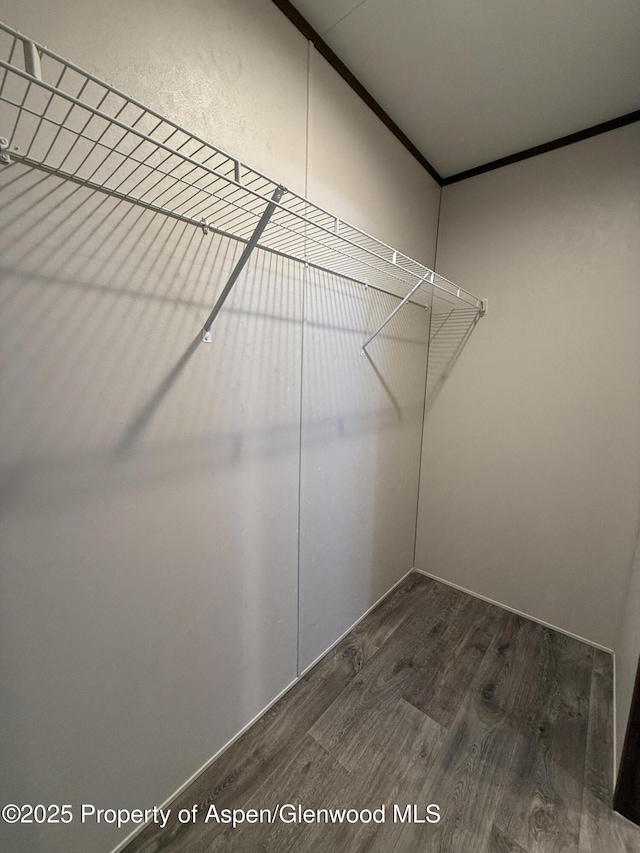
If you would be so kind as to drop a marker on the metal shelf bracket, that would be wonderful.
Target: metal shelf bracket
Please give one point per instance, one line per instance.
(429, 278)
(31, 59)
(5, 159)
(244, 257)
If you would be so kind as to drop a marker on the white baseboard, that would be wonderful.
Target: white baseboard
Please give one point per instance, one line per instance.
(207, 764)
(255, 719)
(517, 612)
(554, 628)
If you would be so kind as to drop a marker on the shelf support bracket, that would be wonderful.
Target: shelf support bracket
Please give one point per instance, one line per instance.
(428, 278)
(5, 159)
(244, 257)
(31, 59)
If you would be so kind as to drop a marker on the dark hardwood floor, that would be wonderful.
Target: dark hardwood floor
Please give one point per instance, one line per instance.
(435, 698)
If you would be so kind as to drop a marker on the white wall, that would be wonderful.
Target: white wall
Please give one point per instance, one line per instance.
(150, 507)
(382, 188)
(362, 426)
(362, 416)
(232, 71)
(530, 487)
(149, 605)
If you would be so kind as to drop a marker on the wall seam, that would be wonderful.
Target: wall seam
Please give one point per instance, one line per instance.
(170, 800)
(301, 23)
(426, 380)
(305, 281)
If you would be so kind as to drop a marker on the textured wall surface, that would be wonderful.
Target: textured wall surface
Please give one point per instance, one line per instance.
(357, 170)
(362, 426)
(150, 514)
(530, 480)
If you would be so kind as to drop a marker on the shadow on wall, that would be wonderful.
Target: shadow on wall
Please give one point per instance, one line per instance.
(358, 487)
(100, 303)
(149, 482)
(450, 331)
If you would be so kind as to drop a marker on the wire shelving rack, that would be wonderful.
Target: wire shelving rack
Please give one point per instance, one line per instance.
(58, 118)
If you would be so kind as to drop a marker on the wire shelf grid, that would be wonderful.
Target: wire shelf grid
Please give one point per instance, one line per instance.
(61, 119)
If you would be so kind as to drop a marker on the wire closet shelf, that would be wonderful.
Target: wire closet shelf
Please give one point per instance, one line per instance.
(58, 118)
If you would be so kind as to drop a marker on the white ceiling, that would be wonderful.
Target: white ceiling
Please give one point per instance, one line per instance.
(470, 81)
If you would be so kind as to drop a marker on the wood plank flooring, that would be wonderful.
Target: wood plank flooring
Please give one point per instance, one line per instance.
(435, 698)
